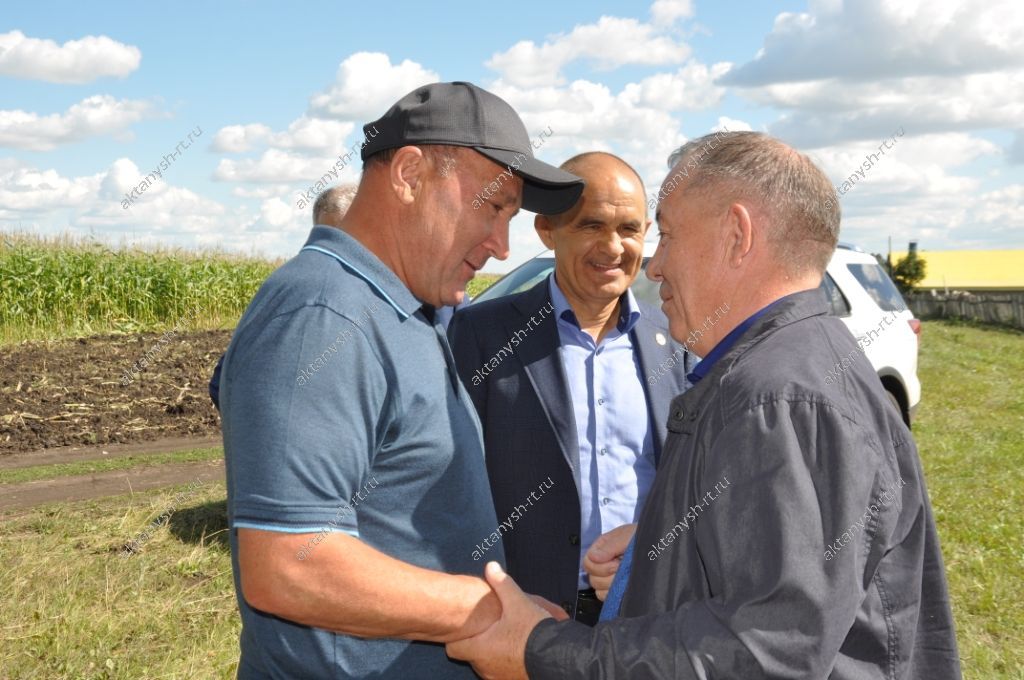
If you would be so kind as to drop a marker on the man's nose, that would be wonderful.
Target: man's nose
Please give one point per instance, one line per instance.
(497, 244)
(653, 270)
(612, 244)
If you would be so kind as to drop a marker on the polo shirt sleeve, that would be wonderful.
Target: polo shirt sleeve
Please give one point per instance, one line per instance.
(305, 399)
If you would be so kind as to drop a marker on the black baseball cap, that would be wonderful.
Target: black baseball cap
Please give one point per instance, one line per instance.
(462, 114)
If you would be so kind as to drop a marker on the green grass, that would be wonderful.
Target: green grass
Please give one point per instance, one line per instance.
(481, 282)
(37, 472)
(65, 287)
(70, 607)
(969, 434)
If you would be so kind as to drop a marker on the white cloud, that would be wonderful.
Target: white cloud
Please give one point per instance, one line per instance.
(95, 202)
(914, 192)
(276, 166)
(825, 112)
(76, 61)
(366, 85)
(93, 116)
(731, 124)
(608, 44)
(240, 138)
(691, 88)
(883, 39)
(263, 191)
(858, 70)
(667, 12)
(25, 191)
(304, 133)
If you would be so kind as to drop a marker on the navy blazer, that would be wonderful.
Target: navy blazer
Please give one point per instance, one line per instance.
(530, 431)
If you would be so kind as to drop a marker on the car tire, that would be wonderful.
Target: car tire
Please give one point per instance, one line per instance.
(895, 401)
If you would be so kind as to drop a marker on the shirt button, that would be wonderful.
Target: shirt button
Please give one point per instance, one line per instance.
(600, 401)
(679, 415)
(606, 501)
(604, 451)
(574, 539)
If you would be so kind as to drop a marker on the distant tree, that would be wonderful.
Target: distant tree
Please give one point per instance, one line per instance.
(884, 261)
(908, 272)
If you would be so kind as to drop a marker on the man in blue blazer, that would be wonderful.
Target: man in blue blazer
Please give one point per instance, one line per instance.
(572, 381)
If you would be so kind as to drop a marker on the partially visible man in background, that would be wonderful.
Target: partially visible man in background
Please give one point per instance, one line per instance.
(734, 572)
(357, 486)
(576, 398)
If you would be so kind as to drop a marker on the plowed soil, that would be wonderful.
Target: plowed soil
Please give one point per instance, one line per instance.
(84, 392)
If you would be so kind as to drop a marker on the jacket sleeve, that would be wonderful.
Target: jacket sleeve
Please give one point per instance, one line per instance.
(799, 477)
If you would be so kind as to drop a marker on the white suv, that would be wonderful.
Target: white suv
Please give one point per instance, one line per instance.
(858, 289)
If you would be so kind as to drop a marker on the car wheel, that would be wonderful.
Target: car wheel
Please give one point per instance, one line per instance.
(895, 401)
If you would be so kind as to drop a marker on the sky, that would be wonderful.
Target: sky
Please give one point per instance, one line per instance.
(242, 106)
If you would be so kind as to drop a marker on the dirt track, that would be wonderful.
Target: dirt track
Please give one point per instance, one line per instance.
(82, 487)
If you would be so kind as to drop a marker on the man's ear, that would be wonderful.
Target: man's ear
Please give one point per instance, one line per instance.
(544, 226)
(740, 234)
(406, 173)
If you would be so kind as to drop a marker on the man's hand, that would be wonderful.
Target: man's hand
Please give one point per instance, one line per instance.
(603, 559)
(500, 651)
(550, 607)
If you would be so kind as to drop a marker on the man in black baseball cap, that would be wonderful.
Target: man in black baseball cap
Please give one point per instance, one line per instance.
(357, 487)
(462, 114)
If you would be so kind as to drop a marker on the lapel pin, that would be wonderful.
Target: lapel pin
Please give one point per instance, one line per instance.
(659, 338)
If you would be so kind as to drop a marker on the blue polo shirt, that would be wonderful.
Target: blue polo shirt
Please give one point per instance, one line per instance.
(342, 412)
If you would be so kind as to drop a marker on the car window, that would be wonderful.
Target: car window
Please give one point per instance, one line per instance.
(521, 278)
(534, 271)
(879, 286)
(836, 300)
(646, 290)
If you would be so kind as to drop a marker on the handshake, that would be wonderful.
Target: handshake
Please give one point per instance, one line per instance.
(498, 648)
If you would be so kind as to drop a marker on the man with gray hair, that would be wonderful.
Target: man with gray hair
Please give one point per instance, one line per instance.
(736, 568)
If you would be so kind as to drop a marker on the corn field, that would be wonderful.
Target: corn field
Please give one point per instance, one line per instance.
(54, 287)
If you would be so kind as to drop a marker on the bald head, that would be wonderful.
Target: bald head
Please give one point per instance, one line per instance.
(599, 242)
(332, 204)
(595, 166)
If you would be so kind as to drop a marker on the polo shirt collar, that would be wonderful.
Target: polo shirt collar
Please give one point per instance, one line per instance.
(629, 311)
(356, 258)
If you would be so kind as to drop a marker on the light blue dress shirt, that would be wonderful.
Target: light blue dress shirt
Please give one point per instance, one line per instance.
(613, 424)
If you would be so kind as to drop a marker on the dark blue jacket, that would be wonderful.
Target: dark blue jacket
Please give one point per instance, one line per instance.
(788, 533)
(529, 428)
